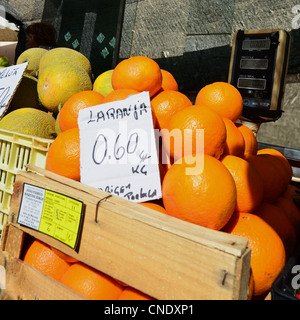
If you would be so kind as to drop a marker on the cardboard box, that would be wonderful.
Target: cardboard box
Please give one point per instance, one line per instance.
(8, 48)
(8, 43)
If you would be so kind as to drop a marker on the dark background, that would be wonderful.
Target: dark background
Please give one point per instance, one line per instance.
(91, 27)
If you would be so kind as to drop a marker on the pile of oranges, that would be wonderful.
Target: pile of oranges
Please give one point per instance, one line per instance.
(83, 279)
(228, 185)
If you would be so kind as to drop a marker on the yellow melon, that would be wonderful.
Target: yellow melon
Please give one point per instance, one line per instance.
(103, 84)
(30, 121)
(33, 57)
(58, 82)
(65, 55)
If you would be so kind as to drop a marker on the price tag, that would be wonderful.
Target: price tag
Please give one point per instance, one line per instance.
(51, 213)
(118, 149)
(10, 78)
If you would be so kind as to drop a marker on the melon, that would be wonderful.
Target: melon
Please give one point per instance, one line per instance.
(30, 121)
(58, 82)
(33, 57)
(65, 55)
(103, 84)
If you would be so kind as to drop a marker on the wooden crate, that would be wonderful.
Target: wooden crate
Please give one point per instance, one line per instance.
(24, 282)
(162, 256)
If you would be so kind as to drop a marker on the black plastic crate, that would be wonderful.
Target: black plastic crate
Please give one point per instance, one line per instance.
(282, 288)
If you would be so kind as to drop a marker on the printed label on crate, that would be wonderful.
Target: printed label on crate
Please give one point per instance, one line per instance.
(51, 213)
(10, 78)
(118, 151)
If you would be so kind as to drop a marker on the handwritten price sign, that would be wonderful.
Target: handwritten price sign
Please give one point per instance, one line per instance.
(118, 148)
(10, 78)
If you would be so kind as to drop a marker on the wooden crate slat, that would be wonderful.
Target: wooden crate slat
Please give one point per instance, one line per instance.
(24, 282)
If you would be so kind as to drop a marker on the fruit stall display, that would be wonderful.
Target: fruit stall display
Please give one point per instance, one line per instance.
(241, 192)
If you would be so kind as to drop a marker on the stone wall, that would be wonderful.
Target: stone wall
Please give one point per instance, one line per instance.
(28, 11)
(192, 39)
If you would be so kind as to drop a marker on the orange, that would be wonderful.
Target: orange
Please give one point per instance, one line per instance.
(164, 163)
(68, 114)
(119, 94)
(292, 192)
(250, 286)
(277, 219)
(64, 256)
(154, 206)
(91, 283)
(281, 157)
(205, 197)
(63, 155)
(164, 158)
(224, 98)
(139, 73)
(166, 104)
(168, 81)
(162, 170)
(121, 283)
(251, 145)
(40, 256)
(185, 128)
(130, 293)
(249, 185)
(274, 184)
(291, 210)
(235, 143)
(267, 250)
(282, 169)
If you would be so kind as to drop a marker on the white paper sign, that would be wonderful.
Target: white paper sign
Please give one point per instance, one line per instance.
(32, 206)
(9, 81)
(118, 149)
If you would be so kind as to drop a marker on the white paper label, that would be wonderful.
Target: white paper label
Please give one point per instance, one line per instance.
(9, 81)
(118, 149)
(32, 206)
